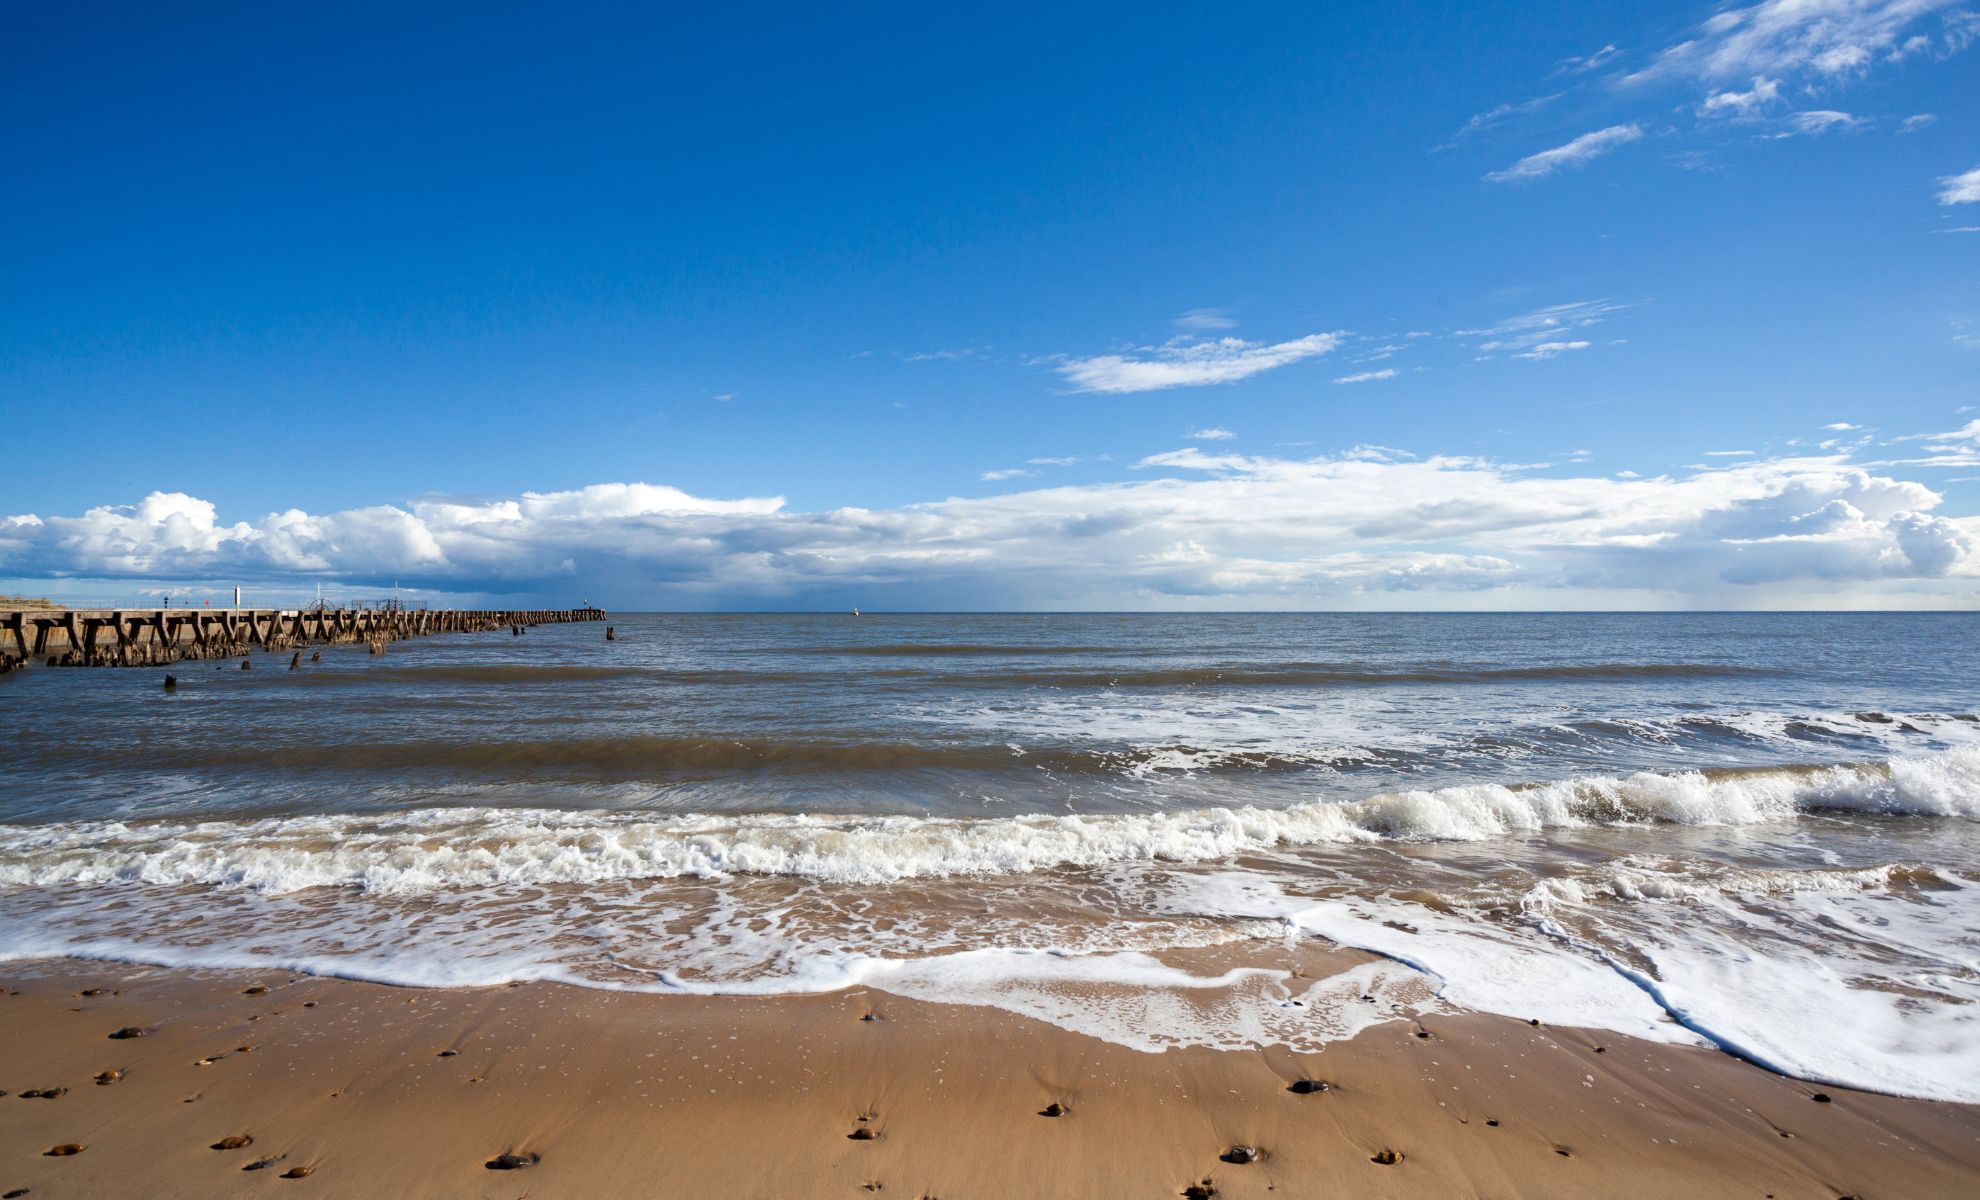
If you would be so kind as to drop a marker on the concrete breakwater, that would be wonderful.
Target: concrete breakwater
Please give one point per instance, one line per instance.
(81, 637)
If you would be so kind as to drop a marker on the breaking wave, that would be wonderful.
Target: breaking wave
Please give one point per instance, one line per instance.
(435, 849)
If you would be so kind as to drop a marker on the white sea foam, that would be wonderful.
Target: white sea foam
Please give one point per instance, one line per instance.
(440, 849)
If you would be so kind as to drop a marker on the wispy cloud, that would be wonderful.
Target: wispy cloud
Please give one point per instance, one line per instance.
(1572, 154)
(1005, 473)
(944, 355)
(1064, 461)
(1544, 333)
(1215, 433)
(1762, 94)
(1916, 122)
(1841, 427)
(1729, 454)
(1369, 376)
(1205, 320)
(1821, 120)
(1963, 188)
(1187, 363)
(1547, 350)
(1959, 229)
(1823, 40)
(1492, 118)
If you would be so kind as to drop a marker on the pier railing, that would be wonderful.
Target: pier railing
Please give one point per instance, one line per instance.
(102, 637)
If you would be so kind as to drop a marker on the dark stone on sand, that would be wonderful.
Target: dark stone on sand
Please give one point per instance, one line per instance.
(297, 1172)
(1423, 1033)
(1054, 1109)
(129, 1031)
(1387, 1158)
(871, 1017)
(1564, 1152)
(1306, 1087)
(1239, 1156)
(256, 990)
(862, 1134)
(233, 1141)
(64, 1150)
(1820, 1097)
(1601, 1049)
(447, 1054)
(55, 1093)
(1493, 1122)
(513, 1162)
(261, 1164)
(90, 992)
(16, 1194)
(104, 1078)
(1200, 1191)
(1535, 1022)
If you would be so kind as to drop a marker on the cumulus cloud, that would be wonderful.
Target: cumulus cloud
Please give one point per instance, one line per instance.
(1368, 376)
(1963, 188)
(1362, 528)
(1185, 362)
(1572, 154)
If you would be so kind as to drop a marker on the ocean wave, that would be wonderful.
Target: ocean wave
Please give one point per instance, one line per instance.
(438, 849)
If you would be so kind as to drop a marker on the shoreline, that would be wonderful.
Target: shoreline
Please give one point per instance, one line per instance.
(364, 1089)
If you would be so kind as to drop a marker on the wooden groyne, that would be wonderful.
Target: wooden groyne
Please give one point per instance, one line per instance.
(146, 637)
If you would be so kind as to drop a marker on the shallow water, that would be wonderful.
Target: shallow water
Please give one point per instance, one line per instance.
(1755, 830)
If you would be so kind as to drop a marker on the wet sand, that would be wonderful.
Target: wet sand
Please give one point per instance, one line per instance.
(266, 1083)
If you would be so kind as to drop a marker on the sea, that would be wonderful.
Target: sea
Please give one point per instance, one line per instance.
(1759, 832)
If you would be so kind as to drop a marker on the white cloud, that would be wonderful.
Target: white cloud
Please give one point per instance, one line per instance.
(1841, 426)
(1820, 121)
(1356, 529)
(1006, 473)
(1963, 188)
(1572, 154)
(1203, 320)
(1215, 433)
(1547, 350)
(960, 352)
(1823, 40)
(1959, 229)
(1187, 363)
(1499, 116)
(1763, 93)
(1729, 454)
(1061, 461)
(1369, 376)
(1545, 332)
(1916, 122)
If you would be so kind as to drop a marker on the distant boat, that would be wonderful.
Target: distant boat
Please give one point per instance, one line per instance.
(855, 612)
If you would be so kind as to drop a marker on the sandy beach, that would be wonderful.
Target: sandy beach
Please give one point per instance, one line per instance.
(238, 1083)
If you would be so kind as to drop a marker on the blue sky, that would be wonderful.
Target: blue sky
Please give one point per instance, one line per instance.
(935, 309)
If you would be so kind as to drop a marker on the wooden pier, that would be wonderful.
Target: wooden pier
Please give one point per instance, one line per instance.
(146, 637)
